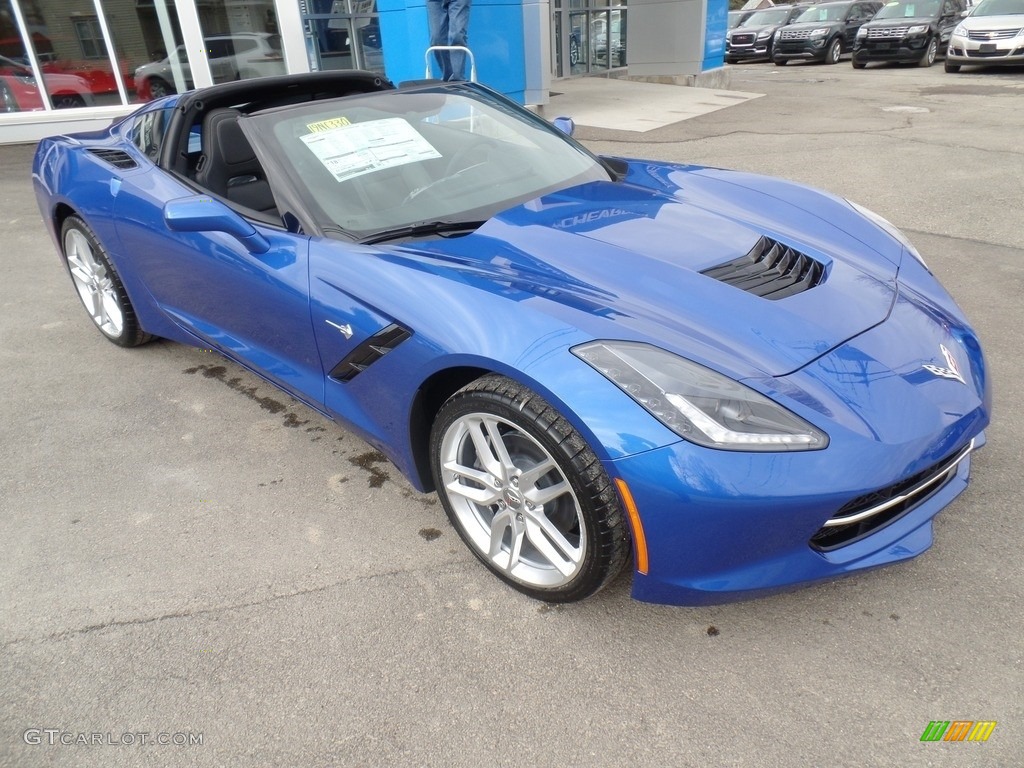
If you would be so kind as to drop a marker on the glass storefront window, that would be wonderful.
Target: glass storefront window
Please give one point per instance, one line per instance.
(69, 49)
(343, 34)
(242, 39)
(591, 37)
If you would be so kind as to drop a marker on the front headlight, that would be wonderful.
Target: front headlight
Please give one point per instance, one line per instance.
(961, 30)
(917, 29)
(862, 33)
(891, 229)
(698, 404)
(820, 32)
(764, 34)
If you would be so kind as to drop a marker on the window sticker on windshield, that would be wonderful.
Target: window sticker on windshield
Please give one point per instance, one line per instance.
(353, 150)
(326, 125)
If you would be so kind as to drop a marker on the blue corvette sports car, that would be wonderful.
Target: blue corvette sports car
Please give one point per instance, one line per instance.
(733, 383)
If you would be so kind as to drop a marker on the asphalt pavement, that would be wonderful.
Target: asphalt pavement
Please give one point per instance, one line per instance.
(189, 556)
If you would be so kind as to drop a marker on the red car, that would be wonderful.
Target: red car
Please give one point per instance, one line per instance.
(19, 91)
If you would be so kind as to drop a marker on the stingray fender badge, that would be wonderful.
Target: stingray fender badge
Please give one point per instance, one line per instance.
(951, 371)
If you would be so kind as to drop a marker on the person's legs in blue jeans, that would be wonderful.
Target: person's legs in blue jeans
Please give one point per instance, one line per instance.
(458, 28)
(437, 19)
(449, 23)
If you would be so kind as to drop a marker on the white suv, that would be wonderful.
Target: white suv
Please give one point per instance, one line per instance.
(232, 57)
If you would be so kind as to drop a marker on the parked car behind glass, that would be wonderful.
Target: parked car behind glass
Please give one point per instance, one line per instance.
(992, 34)
(822, 32)
(21, 92)
(908, 31)
(232, 57)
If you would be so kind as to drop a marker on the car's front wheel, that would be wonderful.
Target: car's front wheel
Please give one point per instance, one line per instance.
(950, 67)
(858, 64)
(835, 52)
(929, 53)
(99, 285)
(158, 88)
(67, 101)
(526, 493)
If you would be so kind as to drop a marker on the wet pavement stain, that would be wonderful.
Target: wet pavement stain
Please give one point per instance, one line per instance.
(219, 372)
(367, 461)
(291, 420)
(429, 534)
(426, 501)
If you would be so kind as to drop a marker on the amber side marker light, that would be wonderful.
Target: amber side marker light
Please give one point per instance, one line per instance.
(639, 540)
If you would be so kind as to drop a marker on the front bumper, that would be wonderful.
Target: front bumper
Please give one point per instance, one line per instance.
(800, 50)
(905, 50)
(757, 51)
(723, 526)
(982, 52)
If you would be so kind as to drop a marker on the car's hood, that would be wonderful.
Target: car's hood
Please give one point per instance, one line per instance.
(980, 23)
(621, 260)
(752, 30)
(811, 25)
(901, 22)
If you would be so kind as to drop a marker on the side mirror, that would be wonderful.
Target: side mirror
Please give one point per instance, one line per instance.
(201, 213)
(965, 14)
(565, 125)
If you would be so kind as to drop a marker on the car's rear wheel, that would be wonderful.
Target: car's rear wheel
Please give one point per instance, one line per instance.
(929, 53)
(99, 286)
(526, 493)
(950, 67)
(835, 52)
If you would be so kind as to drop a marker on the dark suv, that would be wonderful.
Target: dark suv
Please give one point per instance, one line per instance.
(822, 32)
(908, 30)
(752, 39)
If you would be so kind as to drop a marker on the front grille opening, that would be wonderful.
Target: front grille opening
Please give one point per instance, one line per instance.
(873, 511)
(771, 270)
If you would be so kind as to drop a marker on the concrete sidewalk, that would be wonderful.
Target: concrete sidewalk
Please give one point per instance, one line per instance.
(631, 105)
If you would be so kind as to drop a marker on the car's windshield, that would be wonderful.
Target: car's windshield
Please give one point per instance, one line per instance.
(823, 13)
(767, 18)
(998, 8)
(379, 162)
(909, 9)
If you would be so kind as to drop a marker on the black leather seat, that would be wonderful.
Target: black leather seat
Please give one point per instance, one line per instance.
(228, 166)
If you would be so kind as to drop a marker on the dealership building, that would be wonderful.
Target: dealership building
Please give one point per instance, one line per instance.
(76, 64)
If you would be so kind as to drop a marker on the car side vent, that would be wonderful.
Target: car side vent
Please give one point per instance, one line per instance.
(771, 270)
(369, 352)
(115, 157)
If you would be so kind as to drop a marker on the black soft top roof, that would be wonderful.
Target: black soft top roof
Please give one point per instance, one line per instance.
(260, 93)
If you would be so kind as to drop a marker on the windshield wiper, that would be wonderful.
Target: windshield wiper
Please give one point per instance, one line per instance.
(422, 229)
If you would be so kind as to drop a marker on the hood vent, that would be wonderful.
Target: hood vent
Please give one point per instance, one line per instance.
(115, 157)
(771, 270)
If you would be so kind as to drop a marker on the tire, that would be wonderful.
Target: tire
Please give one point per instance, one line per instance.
(574, 52)
(99, 286)
(950, 67)
(858, 64)
(929, 53)
(559, 536)
(779, 62)
(731, 61)
(67, 101)
(158, 88)
(835, 52)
